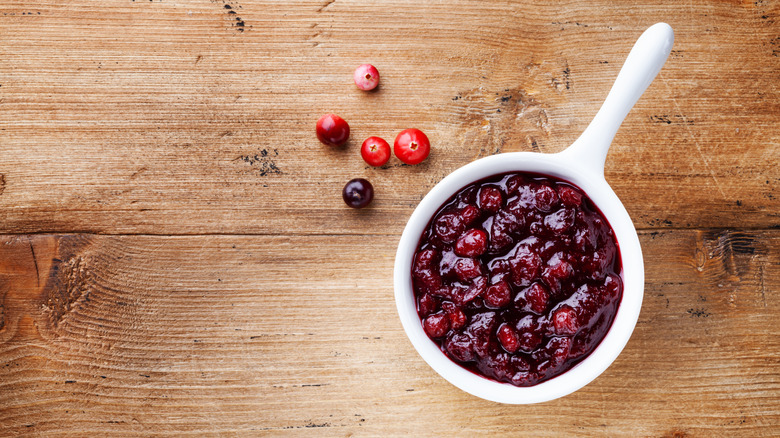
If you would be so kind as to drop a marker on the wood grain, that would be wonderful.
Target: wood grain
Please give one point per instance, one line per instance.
(175, 258)
(132, 334)
(164, 118)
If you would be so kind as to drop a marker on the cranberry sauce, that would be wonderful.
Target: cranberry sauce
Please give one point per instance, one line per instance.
(517, 277)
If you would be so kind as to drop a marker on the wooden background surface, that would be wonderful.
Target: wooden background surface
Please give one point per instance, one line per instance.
(175, 257)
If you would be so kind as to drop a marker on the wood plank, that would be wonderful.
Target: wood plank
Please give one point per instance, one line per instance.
(298, 336)
(183, 118)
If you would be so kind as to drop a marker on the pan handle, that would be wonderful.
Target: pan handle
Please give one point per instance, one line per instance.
(640, 68)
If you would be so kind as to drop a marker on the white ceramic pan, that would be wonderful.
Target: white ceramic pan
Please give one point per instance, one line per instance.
(583, 165)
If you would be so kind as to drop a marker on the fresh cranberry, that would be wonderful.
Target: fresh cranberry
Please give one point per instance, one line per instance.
(358, 193)
(437, 325)
(332, 130)
(366, 77)
(375, 151)
(565, 321)
(490, 199)
(508, 338)
(411, 146)
(472, 243)
(498, 295)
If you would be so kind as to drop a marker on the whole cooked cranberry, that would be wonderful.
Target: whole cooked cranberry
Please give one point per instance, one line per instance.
(498, 295)
(366, 77)
(332, 130)
(472, 243)
(411, 146)
(508, 338)
(375, 151)
(559, 350)
(436, 325)
(565, 321)
(358, 193)
(448, 227)
(469, 214)
(490, 199)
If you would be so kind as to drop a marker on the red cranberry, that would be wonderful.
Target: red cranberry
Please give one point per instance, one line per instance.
(366, 77)
(559, 349)
(358, 193)
(565, 321)
(411, 146)
(469, 214)
(508, 338)
(514, 183)
(448, 227)
(467, 269)
(436, 325)
(456, 316)
(472, 243)
(375, 151)
(498, 295)
(332, 130)
(490, 199)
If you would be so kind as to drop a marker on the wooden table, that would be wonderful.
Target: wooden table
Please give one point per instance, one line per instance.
(176, 258)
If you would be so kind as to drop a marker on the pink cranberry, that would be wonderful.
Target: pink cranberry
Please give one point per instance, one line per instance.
(508, 338)
(565, 321)
(498, 295)
(490, 199)
(332, 130)
(366, 77)
(436, 325)
(472, 243)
